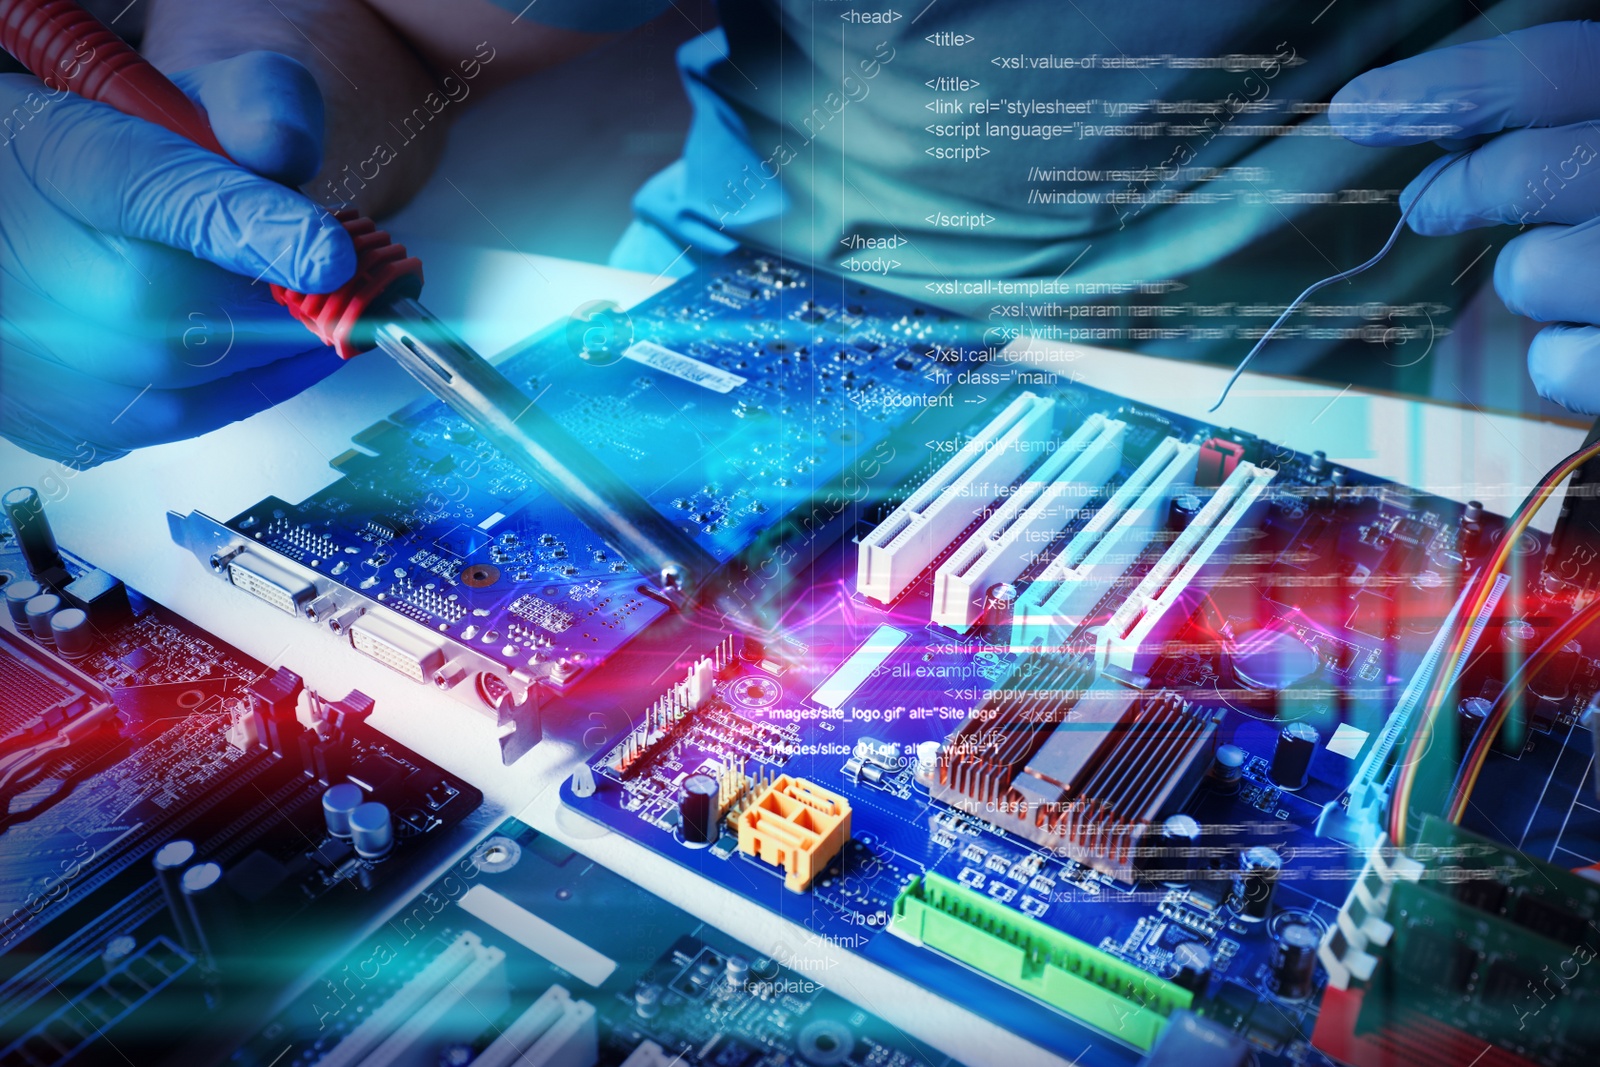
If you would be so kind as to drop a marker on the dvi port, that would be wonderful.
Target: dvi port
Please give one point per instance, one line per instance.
(268, 581)
(396, 647)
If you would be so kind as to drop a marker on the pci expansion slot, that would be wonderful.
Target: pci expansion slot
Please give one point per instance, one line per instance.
(1058, 600)
(1132, 640)
(907, 542)
(1046, 503)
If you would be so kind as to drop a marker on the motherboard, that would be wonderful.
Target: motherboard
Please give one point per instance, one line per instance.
(181, 826)
(515, 955)
(1113, 735)
(1147, 739)
(727, 409)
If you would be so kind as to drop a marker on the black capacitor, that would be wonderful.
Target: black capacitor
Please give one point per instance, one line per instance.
(697, 809)
(1294, 960)
(1555, 681)
(17, 596)
(372, 830)
(1291, 756)
(1255, 883)
(338, 801)
(1471, 714)
(999, 610)
(34, 537)
(170, 860)
(1180, 846)
(1471, 540)
(1227, 766)
(210, 910)
(73, 636)
(38, 613)
(1193, 962)
(1185, 506)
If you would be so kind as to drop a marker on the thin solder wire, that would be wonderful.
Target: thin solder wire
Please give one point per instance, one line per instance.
(1343, 275)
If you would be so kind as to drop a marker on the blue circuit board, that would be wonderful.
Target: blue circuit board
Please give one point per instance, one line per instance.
(165, 741)
(654, 976)
(781, 415)
(726, 409)
(1339, 577)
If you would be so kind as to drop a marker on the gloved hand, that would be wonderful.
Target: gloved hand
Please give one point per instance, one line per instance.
(1525, 106)
(134, 264)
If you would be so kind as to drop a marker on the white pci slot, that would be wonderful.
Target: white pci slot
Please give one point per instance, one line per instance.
(448, 1000)
(1109, 542)
(1165, 597)
(555, 1031)
(907, 541)
(1040, 508)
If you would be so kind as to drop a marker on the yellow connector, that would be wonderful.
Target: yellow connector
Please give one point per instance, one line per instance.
(795, 825)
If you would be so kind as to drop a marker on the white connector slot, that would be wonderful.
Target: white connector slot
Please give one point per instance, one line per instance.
(555, 1031)
(1058, 599)
(1044, 505)
(397, 646)
(1169, 593)
(453, 998)
(272, 582)
(905, 543)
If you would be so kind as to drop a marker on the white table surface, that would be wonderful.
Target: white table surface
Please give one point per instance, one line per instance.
(115, 516)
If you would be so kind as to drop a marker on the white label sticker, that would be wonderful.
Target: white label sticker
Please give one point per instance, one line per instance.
(538, 935)
(843, 682)
(681, 366)
(1347, 741)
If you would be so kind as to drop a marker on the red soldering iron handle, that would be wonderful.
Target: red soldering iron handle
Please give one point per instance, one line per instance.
(68, 48)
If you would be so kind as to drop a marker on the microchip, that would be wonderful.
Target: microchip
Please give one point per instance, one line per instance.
(1413, 530)
(333, 852)
(256, 876)
(1551, 920)
(1435, 956)
(1484, 894)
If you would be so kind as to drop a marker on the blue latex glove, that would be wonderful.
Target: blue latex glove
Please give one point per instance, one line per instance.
(134, 265)
(1525, 106)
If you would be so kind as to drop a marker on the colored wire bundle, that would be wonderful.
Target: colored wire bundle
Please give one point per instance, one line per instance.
(1478, 754)
(1477, 595)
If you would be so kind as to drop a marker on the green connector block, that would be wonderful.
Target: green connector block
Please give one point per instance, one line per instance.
(1086, 983)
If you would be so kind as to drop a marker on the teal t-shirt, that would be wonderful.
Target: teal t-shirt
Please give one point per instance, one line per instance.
(1153, 175)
